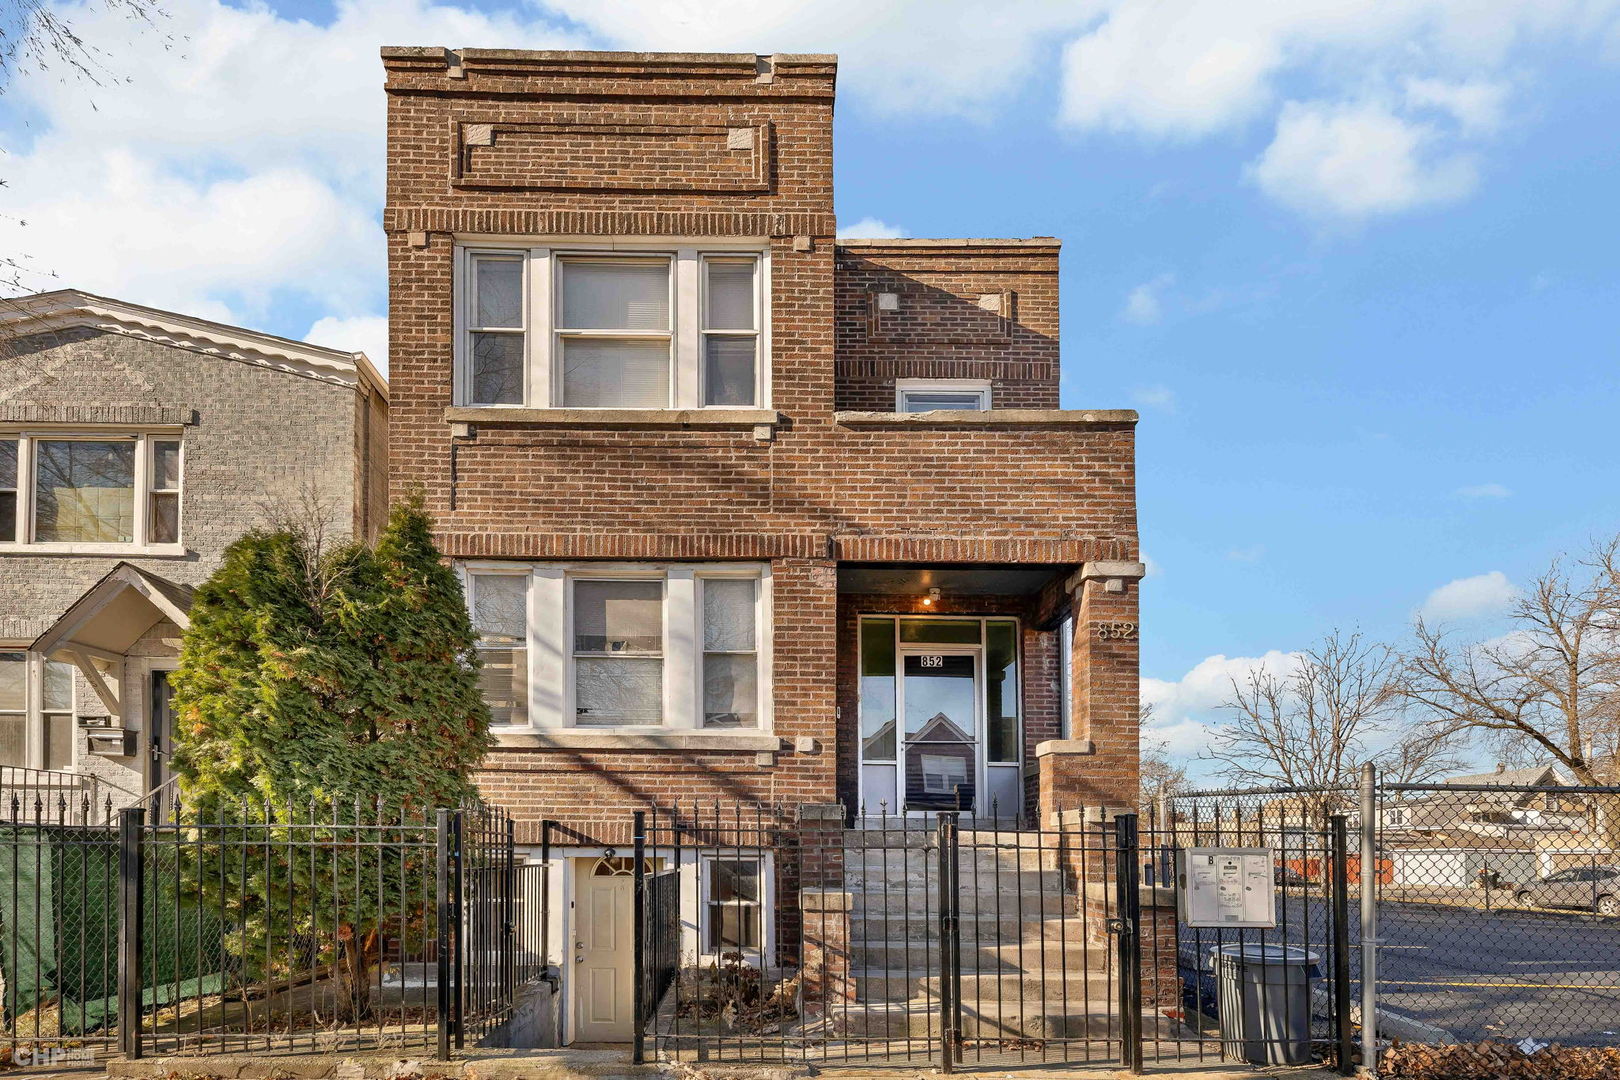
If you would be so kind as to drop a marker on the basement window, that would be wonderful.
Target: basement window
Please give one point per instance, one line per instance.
(733, 904)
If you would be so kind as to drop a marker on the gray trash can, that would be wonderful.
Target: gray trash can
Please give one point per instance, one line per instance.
(1264, 996)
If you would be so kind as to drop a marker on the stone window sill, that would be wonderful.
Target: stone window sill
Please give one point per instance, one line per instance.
(987, 418)
(701, 741)
(661, 419)
(123, 550)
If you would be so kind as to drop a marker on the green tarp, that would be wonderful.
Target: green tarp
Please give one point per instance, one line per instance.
(59, 931)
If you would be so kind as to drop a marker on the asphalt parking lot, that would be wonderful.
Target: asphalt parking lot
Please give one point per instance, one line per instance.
(1502, 974)
(1509, 973)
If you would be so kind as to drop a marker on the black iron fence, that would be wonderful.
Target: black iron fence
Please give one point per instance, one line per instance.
(251, 929)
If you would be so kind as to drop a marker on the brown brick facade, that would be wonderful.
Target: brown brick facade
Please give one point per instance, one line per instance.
(492, 146)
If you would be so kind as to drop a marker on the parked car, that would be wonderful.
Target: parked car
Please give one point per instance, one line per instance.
(1287, 875)
(1589, 888)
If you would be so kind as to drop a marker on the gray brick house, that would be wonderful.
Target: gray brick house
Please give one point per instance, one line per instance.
(135, 444)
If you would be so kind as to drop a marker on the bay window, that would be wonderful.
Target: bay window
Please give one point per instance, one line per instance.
(633, 647)
(90, 491)
(624, 328)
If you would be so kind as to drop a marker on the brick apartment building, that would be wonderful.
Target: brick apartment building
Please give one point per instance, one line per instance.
(746, 513)
(135, 445)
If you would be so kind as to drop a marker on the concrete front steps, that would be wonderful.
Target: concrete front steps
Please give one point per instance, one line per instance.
(1033, 965)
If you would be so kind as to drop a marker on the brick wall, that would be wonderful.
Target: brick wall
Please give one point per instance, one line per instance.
(492, 144)
(254, 438)
(981, 309)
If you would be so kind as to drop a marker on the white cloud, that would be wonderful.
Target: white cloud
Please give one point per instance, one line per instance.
(870, 228)
(1250, 554)
(363, 333)
(235, 166)
(957, 57)
(1484, 491)
(1155, 397)
(1187, 710)
(1358, 160)
(1400, 88)
(1469, 597)
(1144, 304)
(1477, 105)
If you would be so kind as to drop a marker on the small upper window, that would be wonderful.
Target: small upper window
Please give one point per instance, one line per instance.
(92, 491)
(923, 395)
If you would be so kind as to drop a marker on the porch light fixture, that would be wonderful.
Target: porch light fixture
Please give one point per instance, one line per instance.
(932, 598)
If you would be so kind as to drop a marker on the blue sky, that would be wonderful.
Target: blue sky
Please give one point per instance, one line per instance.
(1354, 262)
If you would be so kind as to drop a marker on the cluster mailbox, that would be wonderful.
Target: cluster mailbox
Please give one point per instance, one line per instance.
(1227, 887)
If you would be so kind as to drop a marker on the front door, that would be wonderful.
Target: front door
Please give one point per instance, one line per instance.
(604, 964)
(160, 744)
(939, 748)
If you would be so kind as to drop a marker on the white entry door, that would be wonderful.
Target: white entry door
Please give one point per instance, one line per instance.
(604, 963)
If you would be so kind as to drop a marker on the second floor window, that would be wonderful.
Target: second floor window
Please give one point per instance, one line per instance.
(76, 490)
(581, 329)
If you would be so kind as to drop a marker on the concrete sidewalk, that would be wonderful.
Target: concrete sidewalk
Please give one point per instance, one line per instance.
(605, 1064)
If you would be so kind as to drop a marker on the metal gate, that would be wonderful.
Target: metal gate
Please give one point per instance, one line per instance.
(783, 934)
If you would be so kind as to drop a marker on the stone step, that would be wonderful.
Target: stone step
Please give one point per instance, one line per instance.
(1097, 1019)
(983, 861)
(896, 925)
(874, 902)
(1009, 957)
(1009, 884)
(915, 837)
(888, 985)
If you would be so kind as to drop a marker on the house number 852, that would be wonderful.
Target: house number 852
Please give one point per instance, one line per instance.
(1119, 630)
(930, 661)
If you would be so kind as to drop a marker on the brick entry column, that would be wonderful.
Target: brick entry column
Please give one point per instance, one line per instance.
(1098, 764)
(825, 902)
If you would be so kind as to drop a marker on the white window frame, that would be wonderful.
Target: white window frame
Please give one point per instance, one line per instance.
(469, 587)
(27, 482)
(766, 905)
(551, 645)
(466, 303)
(905, 387)
(542, 295)
(33, 712)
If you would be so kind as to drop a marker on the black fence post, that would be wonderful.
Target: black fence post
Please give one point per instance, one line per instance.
(509, 876)
(442, 902)
(1128, 910)
(131, 926)
(638, 946)
(1341, 943)
(458, 912)
(949, 939)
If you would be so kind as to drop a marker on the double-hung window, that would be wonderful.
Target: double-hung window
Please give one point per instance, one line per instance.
(639, 328)
(500, 615)
(50, 742)
(730, 652)
(90, 491)
(495, 338)
(618, 635)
